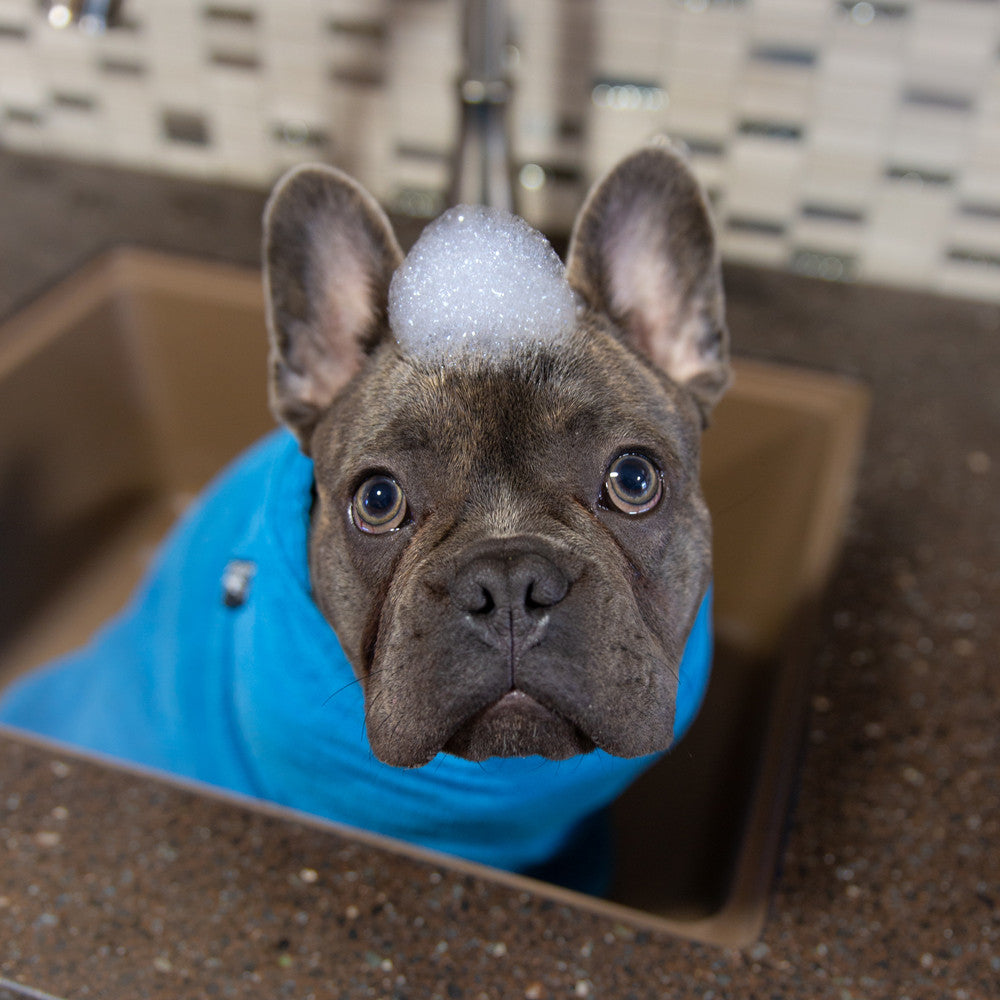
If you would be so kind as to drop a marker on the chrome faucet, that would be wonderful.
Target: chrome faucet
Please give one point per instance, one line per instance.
(92, 16)
(482, 170)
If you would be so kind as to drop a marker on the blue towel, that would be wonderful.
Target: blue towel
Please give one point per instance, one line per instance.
(260, 699)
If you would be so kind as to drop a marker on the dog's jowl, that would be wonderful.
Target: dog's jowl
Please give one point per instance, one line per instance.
(481, 550)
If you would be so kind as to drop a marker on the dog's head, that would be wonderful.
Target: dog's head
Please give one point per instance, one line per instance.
(511, 546)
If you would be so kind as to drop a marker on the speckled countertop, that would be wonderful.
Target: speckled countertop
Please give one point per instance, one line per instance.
(115, 885)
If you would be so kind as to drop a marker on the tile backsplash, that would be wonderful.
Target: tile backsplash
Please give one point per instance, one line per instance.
(837, 138)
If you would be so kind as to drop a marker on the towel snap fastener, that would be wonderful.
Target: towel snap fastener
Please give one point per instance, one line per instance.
(236, 580)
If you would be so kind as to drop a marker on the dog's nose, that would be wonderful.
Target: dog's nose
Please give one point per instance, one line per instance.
(509, 587)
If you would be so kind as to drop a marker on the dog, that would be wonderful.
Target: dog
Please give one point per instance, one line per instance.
(465, 592)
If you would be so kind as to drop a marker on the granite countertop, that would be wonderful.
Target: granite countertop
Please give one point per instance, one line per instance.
(115, 884)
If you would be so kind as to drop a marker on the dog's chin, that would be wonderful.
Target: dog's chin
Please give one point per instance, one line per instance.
(517, 726)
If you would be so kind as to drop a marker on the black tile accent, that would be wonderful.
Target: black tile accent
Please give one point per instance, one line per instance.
(422, 154)
(903, 172)
(358, 76)
(938, 100)
(889, 11)
(832, 213)
(965, 255)
(823, 264)
(245, 16)
(300, 134)
(626, 94)
(373, 31)
(245, 61)
(621, 81)
(559, 172)
(123, 22)
(24, 116)
(779, 131)
(570, 128)
(562, 173)
(114, 66)
(423, 203)
(74, 102)
(186, 127)
(979, 210)
(761, 227)
(703, 147)
(784, 55)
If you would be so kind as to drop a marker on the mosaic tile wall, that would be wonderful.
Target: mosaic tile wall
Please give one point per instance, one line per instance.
(839, 138)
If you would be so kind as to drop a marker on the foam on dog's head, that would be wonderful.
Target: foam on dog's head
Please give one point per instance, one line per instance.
(479, 283)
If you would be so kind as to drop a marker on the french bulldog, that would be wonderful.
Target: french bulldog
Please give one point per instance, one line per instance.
(490, 561)
(545, 545)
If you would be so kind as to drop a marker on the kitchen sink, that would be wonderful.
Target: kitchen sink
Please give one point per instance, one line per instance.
(129, 384)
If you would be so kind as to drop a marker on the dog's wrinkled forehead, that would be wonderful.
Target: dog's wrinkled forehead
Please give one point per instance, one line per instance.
(479, 283)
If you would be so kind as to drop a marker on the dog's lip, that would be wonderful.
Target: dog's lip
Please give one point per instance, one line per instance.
(518, 707)
(515, 700)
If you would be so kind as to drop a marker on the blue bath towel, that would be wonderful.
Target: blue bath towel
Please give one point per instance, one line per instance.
(260, 699)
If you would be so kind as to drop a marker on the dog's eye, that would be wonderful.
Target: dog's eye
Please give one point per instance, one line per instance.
(633, 484)
(378, 505)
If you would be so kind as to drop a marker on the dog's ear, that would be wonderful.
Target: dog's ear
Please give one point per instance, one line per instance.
(329, 255)
(643, 252)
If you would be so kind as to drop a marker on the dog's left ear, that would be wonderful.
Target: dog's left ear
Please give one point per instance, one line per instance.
(643, 252)
(329, 255)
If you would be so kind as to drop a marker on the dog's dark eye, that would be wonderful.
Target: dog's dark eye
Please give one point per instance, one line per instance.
(378, 505)
(633, 484)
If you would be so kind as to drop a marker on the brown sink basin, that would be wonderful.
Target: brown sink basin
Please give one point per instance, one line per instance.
(128, 385)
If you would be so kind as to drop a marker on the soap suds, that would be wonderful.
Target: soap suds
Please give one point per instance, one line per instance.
(479, 283)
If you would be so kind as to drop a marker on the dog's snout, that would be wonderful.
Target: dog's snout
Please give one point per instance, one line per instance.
(509, 585)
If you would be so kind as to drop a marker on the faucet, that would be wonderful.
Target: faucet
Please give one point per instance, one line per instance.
(91, 16)
(482, 170)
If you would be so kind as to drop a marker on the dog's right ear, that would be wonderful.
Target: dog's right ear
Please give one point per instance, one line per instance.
(643, 252)
(329, 255)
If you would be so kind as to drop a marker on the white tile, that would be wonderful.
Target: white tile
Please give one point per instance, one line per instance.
(776, 93)
(707, 53)
(235, 88)
(18, 11)
(975, 232)
(717, 27)
(842, 142)
(980, 181)
(28, 138)
(948, 19)
(803, 24)
(832, 237)
(790, 9)
(755, 249)
(839, 179)
(701, 86)
(173, 24)
(932, 140)
(864, 69)
(27, 91)
(19, 66)
(708, 120)
(763, 177)
(907, 224)
(976, 281)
